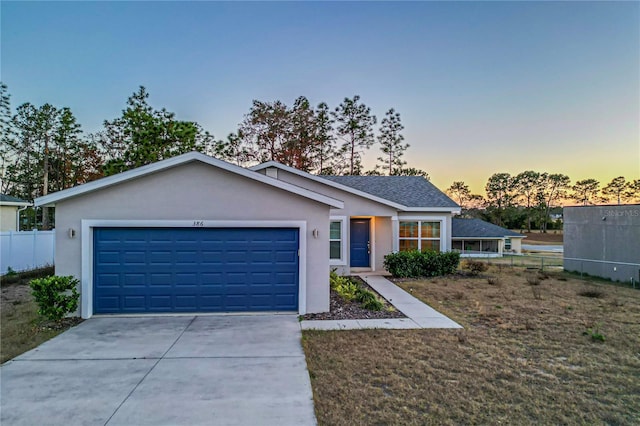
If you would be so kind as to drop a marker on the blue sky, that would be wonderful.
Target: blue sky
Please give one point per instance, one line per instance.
(482, 87)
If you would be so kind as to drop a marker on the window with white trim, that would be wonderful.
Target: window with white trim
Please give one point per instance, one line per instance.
(419, 235)
(507, 243)
(335, 240)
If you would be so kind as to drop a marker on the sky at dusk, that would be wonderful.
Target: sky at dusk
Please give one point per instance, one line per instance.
(482, 87)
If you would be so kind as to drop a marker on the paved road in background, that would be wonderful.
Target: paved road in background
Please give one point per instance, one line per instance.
(544, 248)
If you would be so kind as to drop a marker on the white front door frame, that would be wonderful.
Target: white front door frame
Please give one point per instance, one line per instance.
(87, 247)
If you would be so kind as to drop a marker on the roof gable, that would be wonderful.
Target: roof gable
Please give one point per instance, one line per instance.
(405, 193)
(177, 161)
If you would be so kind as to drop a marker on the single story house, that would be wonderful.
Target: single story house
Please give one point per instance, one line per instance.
(10, 208)
(477, 238)
(196, 234)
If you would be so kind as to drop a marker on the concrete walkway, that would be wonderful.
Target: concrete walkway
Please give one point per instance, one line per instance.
(193, 370)
(420, 315)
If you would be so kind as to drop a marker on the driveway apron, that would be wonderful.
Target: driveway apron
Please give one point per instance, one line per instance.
(185, 370)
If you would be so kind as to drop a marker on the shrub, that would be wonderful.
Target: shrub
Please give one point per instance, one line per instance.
(348, 290)
(533, 280)
(594, 293)
(368, 300)
(56, 296)
(493, 281)
(474, 266)
(406, 264)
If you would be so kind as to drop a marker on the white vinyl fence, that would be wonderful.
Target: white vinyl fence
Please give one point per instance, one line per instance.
(25, 250)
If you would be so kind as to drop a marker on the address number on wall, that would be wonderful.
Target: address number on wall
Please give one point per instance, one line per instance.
(198, 223)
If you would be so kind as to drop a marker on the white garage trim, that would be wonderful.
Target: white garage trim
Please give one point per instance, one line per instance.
(87, 248)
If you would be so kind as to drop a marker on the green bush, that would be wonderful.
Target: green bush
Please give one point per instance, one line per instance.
(407, 264)
(368, 300)
(56, 296)
(348, 290)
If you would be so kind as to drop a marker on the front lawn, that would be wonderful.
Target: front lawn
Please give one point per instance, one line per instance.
(21, 329)
(536, 349)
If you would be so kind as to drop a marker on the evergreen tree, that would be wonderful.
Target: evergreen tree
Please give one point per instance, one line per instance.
(391, 145)
(355, 127)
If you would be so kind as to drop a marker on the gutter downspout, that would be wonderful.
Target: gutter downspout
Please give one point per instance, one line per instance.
(18, 217)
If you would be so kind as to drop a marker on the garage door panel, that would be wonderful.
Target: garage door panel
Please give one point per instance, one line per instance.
(191, 270)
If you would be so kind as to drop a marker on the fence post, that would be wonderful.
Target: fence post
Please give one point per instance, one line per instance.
(10, 257)
(35, 243)
(542, 265)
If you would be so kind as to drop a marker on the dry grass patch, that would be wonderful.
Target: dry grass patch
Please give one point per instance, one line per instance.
(527, 355)
(21, 329)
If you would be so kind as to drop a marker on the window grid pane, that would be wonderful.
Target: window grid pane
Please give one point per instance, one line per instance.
(430, 230)
(408, 229)
(430, 245)
(334, 250)
(406, 245)
(335, 231)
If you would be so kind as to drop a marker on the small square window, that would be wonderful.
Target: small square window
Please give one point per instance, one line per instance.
(430, 230)
(430, 245)
(408, 229)
(407, 245)
(335, 231)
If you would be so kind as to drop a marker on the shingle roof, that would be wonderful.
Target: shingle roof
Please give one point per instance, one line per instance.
(476, 228)
(410, 191)
(11, 199)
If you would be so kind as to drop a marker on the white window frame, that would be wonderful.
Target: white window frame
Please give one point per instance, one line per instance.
(343, 240)
(507, 243)
(420, 219)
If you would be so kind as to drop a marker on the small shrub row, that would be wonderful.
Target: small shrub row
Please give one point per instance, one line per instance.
(409, 264)
(353, 291)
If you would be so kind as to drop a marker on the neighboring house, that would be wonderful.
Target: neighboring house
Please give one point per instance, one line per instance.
(10, 208)
(193, 233)
(603, 241)
(475, 237)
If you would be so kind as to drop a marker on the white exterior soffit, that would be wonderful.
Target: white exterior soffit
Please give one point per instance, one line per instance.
(177, 161)
(15, 203)
(351, 190)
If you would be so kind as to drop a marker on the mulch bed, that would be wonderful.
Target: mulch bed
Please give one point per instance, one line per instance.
(340, 309)
(63, 324)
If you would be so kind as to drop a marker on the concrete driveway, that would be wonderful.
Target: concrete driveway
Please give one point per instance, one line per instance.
(197, 370)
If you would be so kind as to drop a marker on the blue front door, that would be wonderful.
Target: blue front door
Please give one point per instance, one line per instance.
(138, 270)
(360, 243)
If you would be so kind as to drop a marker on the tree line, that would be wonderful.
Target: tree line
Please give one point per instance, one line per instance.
(43, 149)
(525, 200)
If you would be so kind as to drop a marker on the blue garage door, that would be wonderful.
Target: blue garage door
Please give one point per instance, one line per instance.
(195, 270)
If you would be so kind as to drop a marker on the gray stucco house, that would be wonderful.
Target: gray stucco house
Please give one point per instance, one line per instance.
(196, 234)
(475, 237)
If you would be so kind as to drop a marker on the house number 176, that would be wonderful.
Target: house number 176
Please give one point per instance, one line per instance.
(198, 223)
